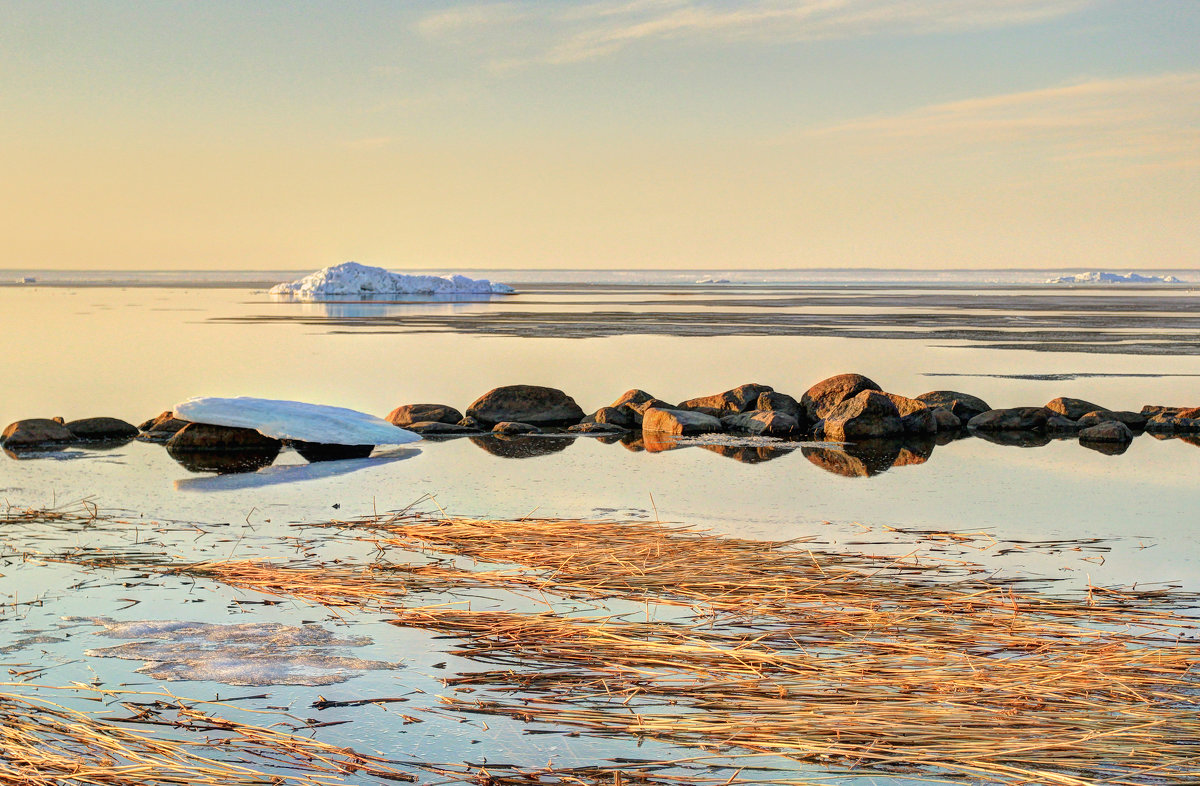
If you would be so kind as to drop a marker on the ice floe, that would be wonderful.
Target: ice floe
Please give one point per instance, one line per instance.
(294, 420)
(350, 279)
(265, 653)
(1101, 277)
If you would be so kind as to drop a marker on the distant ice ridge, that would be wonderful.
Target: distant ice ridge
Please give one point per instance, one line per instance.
(1098, 277)
(353, 279)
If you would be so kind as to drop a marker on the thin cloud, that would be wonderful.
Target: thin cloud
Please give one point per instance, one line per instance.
(1147, 120)
(527, 32)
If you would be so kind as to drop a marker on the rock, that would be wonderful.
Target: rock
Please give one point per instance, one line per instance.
(1057, 424)
(437, 428)
(34, 433)
(161, 428)
(1135, 420)
(905, 405)
(1093, 418)
(321, 451)
(1111, 431)
(922, 421)
(596, 428)
(614, 416)
(423, 413)
(98, 429)
(1150, 410)
(678, 422)
(739, 399)
(521, 446)
(638, 410)
(1073, 408)
(869, 414)
(472, 423)
(1014, 419)
(513, 428)
(1168, 424)
(60, 420)
(1191, 413)
(632, 398)
(773, 401)
(822, 397)
(202, 436)
(538, 406)
(964, 405)
(945, 420)
(294, 420)
(763, 424)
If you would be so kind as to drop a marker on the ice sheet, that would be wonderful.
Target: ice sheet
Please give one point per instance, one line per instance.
(295, 420)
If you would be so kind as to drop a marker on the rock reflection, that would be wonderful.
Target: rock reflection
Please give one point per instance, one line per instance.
(72, 450)
(292, 473)
(633, 441)
(223, 461)
(522, 447)
(870, 457)
(1107, 448)
(1015, 439)
(747, 454)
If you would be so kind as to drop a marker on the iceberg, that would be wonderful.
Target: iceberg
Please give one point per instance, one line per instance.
(350, 279)
(1099, 277)
(294, 420)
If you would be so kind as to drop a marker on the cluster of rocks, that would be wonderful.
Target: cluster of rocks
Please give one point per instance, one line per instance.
(848, 408)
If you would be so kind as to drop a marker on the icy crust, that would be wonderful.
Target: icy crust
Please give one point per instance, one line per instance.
(1100, 277)
(295, 420)
(234, 654)
(350, 279)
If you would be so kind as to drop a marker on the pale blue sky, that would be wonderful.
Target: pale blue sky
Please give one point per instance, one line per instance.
(636, 133)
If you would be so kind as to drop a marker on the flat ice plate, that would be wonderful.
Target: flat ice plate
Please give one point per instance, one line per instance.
(294, 420)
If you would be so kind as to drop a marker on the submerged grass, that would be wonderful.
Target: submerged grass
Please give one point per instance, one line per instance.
(844, 661)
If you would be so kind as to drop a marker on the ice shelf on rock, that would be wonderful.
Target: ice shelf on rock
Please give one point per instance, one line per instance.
(294, 420)
(1100, 277)
(350, 279)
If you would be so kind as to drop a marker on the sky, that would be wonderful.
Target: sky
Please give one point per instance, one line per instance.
(600, 134)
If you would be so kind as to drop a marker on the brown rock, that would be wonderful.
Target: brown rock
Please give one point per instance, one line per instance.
(202, 436)
(822, 397)
(921, 421)
(906, 405)
(423, 413)
(512, 428)
(622, 417)
(763, 424)
(964, 405)
(774, 401)
(945, 420)
(739, 399)
(632, 398)
(35, 432)
(638, 410)
(101, 429)
(1057, 424)
(1073, 408)
(436, 428)
(533, 404)
(1111, 431)
(596, 428)
(678, 422)
(161, 428)
(868, 415)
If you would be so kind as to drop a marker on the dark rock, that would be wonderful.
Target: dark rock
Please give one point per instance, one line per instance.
(922, 421)
(1073, 408)
(678, 422)
(1057, 424)
(471, 423)
(1093, 418)
(1112, 431)
(1150, 410)
(763, 424)
(161, 428)
(101, 429)
(822, 397)
(614, 416)
(945, 420)
(440, 429)
(773, 401)
(512, 428)
(1192, 413)
(739, 399)
(637, 410)
(423, 413)
(1014, 419)
(539, 406)
(35, 433)
(320, 451)
(1135, 420)
(964, 405)
(868, 415)
(202, 436)
(596, 428)
(522, 447)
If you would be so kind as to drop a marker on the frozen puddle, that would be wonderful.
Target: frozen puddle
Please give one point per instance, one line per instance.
(235, 654)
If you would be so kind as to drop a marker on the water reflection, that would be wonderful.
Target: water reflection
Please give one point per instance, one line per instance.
(749, 455)
(870, 457)
(289, 473)
(523, 446)
(1016, 439)
(224, 462)
(1107, 448)
(75, 450)
(389, 305)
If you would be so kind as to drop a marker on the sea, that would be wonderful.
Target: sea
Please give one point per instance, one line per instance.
(131, 344)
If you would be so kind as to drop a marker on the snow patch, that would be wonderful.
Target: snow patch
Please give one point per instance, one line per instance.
(235, 654)
(1100, 277)
(350, 279)
(295, 420)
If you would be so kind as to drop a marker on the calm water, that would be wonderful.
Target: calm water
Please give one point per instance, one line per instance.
(133, 352)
